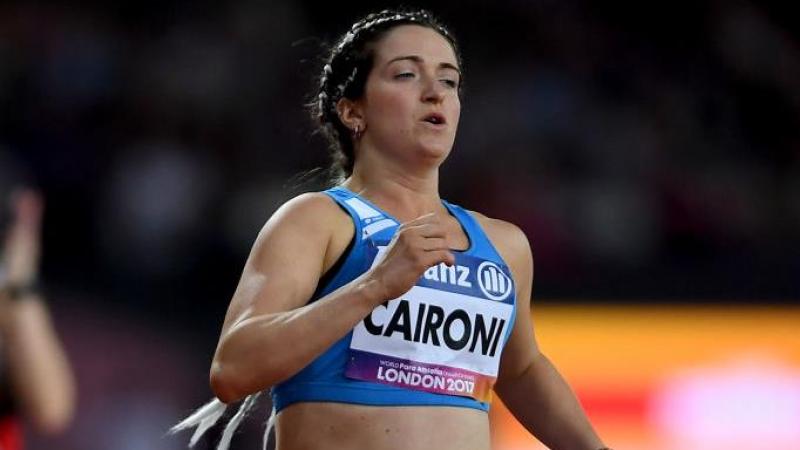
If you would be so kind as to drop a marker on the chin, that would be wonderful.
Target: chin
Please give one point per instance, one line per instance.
(437, 151)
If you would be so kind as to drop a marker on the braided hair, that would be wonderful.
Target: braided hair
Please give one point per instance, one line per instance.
(345, 72)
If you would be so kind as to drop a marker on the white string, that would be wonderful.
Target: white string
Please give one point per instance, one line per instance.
(204, 418)
(209, 414)
(233, 424)
(270, 425)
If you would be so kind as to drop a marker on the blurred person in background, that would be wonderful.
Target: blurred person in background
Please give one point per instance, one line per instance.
(337, 281)
(36, 381)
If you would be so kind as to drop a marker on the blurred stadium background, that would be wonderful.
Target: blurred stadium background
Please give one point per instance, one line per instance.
(650, 150)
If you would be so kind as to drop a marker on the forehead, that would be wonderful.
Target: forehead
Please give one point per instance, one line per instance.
(407, 40)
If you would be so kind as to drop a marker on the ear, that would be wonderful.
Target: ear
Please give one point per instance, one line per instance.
(350, 113)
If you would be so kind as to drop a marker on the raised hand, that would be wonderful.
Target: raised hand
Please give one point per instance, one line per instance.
(416, 246)
(22, 244)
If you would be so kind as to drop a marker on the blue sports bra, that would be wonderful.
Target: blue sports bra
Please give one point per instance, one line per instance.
(437, 345)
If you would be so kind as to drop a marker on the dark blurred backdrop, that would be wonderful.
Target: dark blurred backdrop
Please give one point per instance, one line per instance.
(650, 150)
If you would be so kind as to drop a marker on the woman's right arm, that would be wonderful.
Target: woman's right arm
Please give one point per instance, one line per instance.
(270, 332)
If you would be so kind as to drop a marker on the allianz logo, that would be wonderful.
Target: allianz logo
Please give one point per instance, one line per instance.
(493, 282)
(455, 274)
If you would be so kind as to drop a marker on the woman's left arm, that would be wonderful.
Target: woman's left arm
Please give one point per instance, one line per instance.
(528, 383)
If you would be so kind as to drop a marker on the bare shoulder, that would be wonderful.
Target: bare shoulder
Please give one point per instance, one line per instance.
(509, 240)
(310, 219)
(291, 252)
(312, 212)
(503, 234)
(310, 207)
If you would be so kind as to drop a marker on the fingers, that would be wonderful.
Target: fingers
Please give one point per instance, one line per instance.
(442, 256)
(427, 230)
(416, 246)
(432, 244)
(22, 240)
(426, 225)
(426, 233)
(423, 220)
(27, 205)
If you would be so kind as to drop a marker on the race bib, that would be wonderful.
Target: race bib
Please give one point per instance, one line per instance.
(445, 335)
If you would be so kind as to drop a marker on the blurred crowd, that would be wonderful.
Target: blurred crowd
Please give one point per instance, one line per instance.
(650, 151)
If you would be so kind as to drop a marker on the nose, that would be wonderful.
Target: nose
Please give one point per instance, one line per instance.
(433, 91)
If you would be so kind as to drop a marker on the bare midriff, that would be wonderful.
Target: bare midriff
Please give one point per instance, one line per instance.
(340, 426)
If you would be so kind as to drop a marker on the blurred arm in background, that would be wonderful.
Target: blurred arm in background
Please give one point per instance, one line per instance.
(36, 374)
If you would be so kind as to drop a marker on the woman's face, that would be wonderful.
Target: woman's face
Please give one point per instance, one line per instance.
(411, 105)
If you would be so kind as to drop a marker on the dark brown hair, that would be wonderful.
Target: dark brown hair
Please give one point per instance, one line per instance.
(345, 72)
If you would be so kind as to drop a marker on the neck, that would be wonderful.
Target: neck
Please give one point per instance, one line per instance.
(405, 194)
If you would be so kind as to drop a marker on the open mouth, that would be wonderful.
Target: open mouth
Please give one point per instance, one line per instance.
(435, 119)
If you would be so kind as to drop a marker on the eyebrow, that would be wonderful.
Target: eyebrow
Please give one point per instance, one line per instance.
(419, 59)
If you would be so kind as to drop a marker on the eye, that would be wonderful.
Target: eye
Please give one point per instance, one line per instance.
(449, 83)
(405, 75)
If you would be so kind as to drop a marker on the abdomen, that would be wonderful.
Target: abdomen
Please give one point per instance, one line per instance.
(341, 426)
